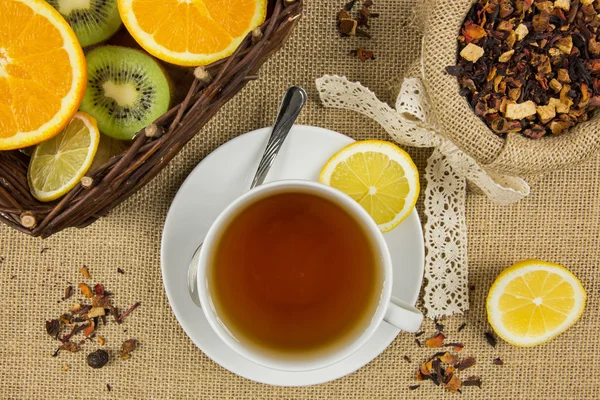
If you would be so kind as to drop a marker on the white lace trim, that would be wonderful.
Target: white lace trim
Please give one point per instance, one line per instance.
(448, 169)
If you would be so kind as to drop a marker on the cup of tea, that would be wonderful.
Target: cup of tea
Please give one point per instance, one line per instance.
(296, 276)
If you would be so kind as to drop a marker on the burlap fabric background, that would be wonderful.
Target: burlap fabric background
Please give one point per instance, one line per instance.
(516, 155)
(559, 222)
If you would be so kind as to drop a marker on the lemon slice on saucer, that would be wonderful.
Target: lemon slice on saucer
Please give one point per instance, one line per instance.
(534, 301)
(380, 176)
(58, 164)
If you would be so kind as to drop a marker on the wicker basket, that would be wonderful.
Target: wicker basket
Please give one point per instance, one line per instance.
(122, 175)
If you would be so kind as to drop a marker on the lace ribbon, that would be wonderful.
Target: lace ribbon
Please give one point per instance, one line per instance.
(447, 172)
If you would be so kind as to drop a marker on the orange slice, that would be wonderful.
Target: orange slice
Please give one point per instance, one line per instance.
(42, 73)
(191, 32)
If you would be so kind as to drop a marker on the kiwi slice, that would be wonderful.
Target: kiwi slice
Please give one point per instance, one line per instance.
(92, 20)
(127, 90)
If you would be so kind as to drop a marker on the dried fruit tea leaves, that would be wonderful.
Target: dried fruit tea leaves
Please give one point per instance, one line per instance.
(491, 339)
(515, 59)
(53, 328)
(435, 341)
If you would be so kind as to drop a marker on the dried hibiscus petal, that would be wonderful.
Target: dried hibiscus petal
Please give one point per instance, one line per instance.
(472, 381)
(85, 290)
(448, 358)
(472, 31)
(99, 289)
(453, 384)
(89, 329)
(435, 341)
(466, 363)
(101, 301)
(69, 346)
(68, 292)
(53, 327)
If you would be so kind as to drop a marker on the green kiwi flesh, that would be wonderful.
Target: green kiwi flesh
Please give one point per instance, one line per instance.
(127, 90)
(93, 21)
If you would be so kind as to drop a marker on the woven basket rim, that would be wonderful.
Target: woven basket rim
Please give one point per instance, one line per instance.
(153, 147)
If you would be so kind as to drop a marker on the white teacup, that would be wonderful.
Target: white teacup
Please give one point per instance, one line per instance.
(391, 310)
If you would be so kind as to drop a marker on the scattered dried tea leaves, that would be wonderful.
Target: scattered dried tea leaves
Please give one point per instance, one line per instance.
(418, 342)
(68, 292)
(461, 327)
(95, 312)
(407, 359)
(74, 331)
(101, 301)
(472, 381)
(413, 387)
(85, 290)
(435, 341)
(491, 339)
(347, 26)
(89, 329)
(66, 319)
(453, 384)
(455, 346)
(357, 25)
(69, 346)
(53, 328)
(362, 54)
(85, 318)
(126, 313)
(448, 358)
(120, 270)
(466, 363)
(108, 387)
(420, 333)
(515, 56)
(99, 289)
(498, 361)
(85, 272)
(45, 249)
(97, 359)
(127, 347)
(443, 369)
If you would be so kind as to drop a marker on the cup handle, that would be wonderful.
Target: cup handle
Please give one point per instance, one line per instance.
(403, 316)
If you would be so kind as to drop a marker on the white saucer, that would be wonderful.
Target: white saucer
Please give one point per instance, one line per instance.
(219, 179)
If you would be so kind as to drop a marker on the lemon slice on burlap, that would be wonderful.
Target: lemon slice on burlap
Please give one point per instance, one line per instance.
(58, 164)
(534, 301)
(380, 176)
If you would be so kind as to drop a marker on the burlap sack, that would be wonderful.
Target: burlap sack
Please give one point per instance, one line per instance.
(516, 155)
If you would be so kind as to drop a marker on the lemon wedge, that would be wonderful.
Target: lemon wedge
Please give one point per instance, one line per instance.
(380, 176)
(58, 164)
(534, 301)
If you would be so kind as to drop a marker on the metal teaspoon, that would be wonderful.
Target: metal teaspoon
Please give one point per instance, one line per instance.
(293, 101)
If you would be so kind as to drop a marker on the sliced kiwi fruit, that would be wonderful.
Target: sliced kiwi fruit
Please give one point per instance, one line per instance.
(127, 90)
(93, 21)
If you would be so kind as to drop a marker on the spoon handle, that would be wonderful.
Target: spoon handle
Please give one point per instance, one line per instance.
(292, 104)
